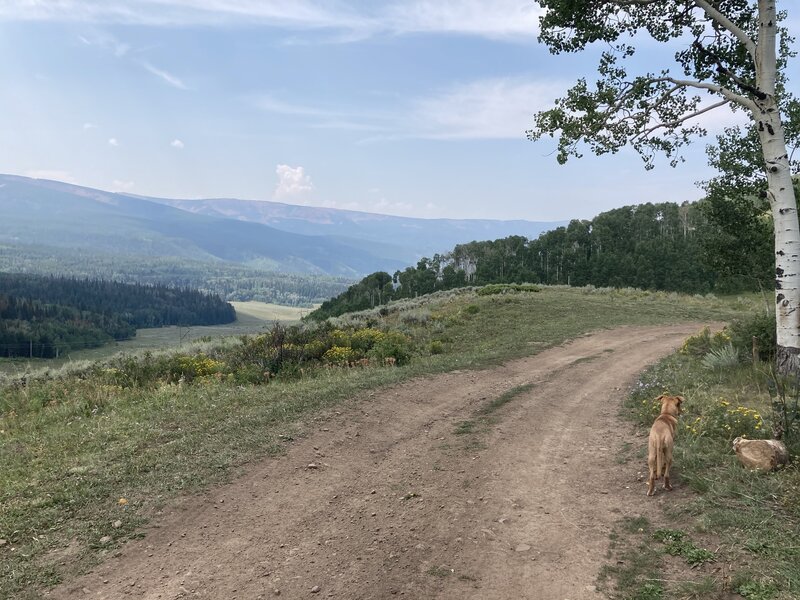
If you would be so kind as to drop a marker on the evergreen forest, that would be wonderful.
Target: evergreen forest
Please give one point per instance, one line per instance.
(43, 316)
(693, 248)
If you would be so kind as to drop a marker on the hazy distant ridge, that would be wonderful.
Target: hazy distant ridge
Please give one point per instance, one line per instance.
(267, 235)
(406, 238)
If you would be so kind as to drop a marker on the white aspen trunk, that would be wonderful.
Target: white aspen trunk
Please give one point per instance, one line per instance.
(781, 195)
(787, 241)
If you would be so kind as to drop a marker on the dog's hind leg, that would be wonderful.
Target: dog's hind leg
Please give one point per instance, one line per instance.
(652, 465)
(667, 465)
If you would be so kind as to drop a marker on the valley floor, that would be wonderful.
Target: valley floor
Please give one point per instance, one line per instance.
(500, 483)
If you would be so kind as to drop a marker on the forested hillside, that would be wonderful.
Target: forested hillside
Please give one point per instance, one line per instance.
(45, 316)
(649, 246)
(229, 281)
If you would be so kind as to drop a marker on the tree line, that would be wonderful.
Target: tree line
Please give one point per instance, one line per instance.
(43, 316)
(665, 246)
(230, 281)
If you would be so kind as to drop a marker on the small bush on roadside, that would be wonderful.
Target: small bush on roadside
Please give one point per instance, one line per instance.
(725, 357)
(392, 345)
(364, 339)
(760, 326)
(704, 342)
(436, 347)
(723, 421)
(340, 355)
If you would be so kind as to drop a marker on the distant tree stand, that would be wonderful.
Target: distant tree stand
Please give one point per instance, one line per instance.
(736, 59)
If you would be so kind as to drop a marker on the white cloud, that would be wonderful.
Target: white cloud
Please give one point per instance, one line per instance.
(293, 183)
(269, 103)
(355, 21)
(297, 14)
(113, 142)
(487, 109)
(122, 186)
(54, 174)
(500, 108)
(500, 18)
(164, 76)
(87, 126)
(176, 143)
(103, 40)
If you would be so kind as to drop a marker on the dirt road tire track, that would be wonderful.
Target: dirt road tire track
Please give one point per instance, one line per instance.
(398, 504)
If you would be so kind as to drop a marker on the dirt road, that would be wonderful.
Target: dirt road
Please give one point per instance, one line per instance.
(395, 495)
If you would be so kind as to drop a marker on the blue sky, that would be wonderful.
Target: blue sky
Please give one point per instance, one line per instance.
(415, 107)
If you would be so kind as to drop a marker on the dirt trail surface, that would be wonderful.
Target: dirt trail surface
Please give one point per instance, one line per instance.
(405, 492)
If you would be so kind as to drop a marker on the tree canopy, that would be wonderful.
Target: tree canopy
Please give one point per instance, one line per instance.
(727, 53)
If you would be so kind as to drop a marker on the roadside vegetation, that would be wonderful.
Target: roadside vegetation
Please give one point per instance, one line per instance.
(89, 452)
(739, 531)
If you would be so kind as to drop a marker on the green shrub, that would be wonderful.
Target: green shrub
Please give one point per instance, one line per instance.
(184, 367)
(392, 345)
(364, 339)
(704, 342)
(726, 357)
(721, 420)
(340, 355)
(340, 338)
(436, 347)
(760, 326)
(315, 349)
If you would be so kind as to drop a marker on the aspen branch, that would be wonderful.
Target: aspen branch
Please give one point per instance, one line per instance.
(712, 87)
(720, 19)
(679, 121)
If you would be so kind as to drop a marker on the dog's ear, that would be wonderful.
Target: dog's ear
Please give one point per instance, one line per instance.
(681, 400)
(661, 398)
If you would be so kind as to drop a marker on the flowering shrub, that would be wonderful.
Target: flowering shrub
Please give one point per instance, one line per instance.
(392, 345)
(190, 367)
(340, 355)
(365, 339)
(704, 342)
(315, 349)
(720, 419)
(340, 338)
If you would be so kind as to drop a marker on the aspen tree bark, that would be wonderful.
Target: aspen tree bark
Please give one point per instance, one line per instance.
(781, 195)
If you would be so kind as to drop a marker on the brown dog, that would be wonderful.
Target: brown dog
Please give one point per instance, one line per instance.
(662, 439)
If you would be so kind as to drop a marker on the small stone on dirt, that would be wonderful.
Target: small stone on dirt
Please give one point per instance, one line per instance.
(116, 524)
(312, 465)
(105, 539)
(3, 543)
(315, 589)
(522, 548)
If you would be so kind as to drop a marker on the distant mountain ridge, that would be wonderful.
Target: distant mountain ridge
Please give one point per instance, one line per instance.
(266, 235)
(411, 238)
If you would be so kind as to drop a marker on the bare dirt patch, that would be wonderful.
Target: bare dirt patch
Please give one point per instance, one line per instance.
(393, 495)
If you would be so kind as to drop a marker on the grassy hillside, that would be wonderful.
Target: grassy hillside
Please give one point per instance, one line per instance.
(146, 428)
(76, 217)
